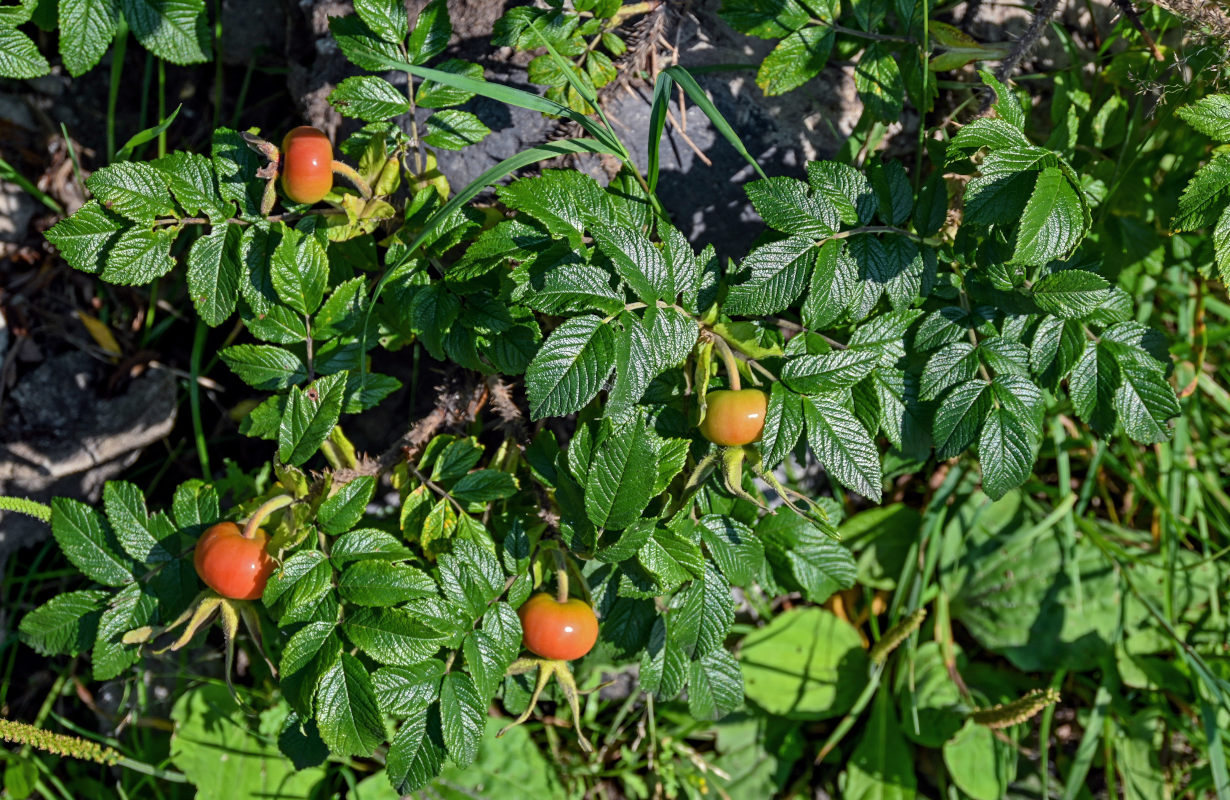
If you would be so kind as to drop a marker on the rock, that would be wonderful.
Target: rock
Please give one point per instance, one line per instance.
(250, 26)
(63, 437)
(16, 209)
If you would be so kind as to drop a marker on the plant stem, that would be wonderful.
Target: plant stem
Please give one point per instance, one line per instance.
(194, 397)
(162, 106)
(561, 576)
(262, 513)
(217, 62)
(875, 37)
(732, 365)
(349, 173)
(117, 70)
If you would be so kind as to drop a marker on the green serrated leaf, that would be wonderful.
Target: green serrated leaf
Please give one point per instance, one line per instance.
(345, 507)
(382, 584)
(1005, 452)
(172, 29)
(392, 636)
(948, 366)
(463, 717)
(264, 366)
(839, 369)
(88, 542)
(1210, 115)
(146, 539)
(402, 691)
(139, 256)
(959, 417)
(386, 17)
(368, 98)
(299, 270)
(786, 205)
(638, 261)
(214, 272)
(19, 55)
(417, 752)
(432, 94)
(795, 60)
(431, 33)
(309, 417)
(783, 425)
(194, 184)
(452, 129)
(843, 445)
(621, 476)
(66, 624)
(132, 188)
(766, 20)
(85, 238)
(878, 81)
(1070, 293)
(1145, 402)
(346, 711)
(777, 273)
(1204, 196)
(86, 30)
(1054, 220)
(571, 367)
(361, 45)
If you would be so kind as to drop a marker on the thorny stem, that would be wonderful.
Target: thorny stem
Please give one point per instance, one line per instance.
(261, 514)
(1022, 48)
(232, 221)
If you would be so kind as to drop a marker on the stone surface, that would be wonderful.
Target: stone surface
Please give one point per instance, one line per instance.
(16, 209)
(63, 436)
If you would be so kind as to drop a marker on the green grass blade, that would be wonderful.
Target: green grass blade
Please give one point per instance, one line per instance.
(702, 101)
(657, 123)
(146, 135)
(1088, 747)
(1217, 753)
(8, 173)
(576, 79)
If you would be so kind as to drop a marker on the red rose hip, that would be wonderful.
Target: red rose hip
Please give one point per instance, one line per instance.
(555, 630)
(307, 165)
(734, 417)
(231, 564)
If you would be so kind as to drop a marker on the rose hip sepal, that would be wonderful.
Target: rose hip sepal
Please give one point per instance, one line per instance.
(558, 632)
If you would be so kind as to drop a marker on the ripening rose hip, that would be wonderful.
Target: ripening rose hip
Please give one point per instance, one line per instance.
(231, 564)
(734, 417)
(307, 165)
(555, 630)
